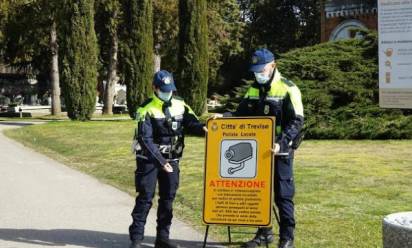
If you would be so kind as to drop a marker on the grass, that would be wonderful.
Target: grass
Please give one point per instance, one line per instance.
(63, 117)
(344, 188)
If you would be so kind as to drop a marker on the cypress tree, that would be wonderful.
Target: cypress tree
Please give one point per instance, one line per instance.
(79, 59)
(137, 52)
(193, 53)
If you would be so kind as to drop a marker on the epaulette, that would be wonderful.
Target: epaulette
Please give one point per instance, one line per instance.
(288, 82)
(145, 103)
(139, 116)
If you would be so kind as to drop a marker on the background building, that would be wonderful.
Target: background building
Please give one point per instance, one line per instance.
(340, 16)
(17, 87)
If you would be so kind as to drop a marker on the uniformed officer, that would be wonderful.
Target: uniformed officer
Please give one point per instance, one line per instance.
(159, 147)
(273, 95)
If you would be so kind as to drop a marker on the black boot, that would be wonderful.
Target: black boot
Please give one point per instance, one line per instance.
(286, 244)
(263, 236)
(136, 244)
(165, 243)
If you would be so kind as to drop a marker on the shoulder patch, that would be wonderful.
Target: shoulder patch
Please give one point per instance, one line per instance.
(288, 82)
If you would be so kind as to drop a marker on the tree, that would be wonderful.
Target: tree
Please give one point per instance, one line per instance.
(193, 53)
(165, 29)
(281, 25)
(79, 59)
(31, 42)
(309, 17)
(226, 30)
(109, 19)
(224, 37)
(4, 9)
(137, 51)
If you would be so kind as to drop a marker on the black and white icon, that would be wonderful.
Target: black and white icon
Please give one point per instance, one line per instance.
(238, 159)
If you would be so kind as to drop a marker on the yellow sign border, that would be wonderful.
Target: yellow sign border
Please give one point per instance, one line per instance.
(272, 161)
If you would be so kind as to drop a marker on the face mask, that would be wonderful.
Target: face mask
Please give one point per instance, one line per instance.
(165, 96)
(261, 78)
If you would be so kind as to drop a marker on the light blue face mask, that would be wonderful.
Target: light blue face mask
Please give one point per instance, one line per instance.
(261, 77)
(165, 96)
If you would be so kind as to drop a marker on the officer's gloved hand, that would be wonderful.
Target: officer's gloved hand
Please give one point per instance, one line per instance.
(168, 168)
(283, 148)
(216, 115)
(276, 148)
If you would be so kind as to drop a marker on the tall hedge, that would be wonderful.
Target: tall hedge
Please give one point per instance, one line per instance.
(79, 58)
(136, 53)
(193, 53)
(340, 90)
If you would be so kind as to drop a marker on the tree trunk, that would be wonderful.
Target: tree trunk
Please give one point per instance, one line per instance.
(112, 76)
(54, 71)
(157, 62)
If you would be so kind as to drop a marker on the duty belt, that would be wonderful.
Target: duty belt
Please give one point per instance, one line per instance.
(165, 150)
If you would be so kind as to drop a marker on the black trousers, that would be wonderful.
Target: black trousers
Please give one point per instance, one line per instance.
(146, 176)
(284, 193)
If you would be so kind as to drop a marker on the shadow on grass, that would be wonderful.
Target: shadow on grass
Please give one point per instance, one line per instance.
(82, 238)
(16, 123)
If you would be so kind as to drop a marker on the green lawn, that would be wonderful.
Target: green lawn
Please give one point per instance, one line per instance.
(63, 117)
(344, 188)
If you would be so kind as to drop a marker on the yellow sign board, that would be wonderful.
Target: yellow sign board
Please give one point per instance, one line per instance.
(238, 188)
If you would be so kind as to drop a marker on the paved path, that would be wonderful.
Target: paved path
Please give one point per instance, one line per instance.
(46, 204)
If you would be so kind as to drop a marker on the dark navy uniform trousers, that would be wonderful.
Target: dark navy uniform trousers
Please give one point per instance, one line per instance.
(146, 176)
(284, 192)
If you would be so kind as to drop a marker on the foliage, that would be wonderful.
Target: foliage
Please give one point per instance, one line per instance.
(166, 30)
(4, 11)
(224, 37)
(266, 23)
(136, 51)
(339, 84)
(108, 19)
(279, 25)
(79, 59)
(27, 36)
(193, 53)
(226, 31)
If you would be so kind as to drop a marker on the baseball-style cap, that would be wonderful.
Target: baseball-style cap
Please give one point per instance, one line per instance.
(260, 58)
(164, 81)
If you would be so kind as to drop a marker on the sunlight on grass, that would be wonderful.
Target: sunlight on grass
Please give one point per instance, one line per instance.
(344, 188)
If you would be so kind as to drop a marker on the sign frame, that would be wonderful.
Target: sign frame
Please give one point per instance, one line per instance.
(216, 167)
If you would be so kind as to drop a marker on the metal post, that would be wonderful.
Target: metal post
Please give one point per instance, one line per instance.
(207, 232)
(276, 215)
(228, 233)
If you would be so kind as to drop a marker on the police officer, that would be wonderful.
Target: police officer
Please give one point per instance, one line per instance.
(159, 147)
(273, 95)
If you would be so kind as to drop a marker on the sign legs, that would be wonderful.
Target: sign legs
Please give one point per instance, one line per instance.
(207, 233)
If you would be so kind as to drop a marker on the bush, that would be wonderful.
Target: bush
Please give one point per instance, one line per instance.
(340, 89)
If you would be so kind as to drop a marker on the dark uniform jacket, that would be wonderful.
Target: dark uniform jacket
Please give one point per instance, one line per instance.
(280, 98)
(160, 129)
